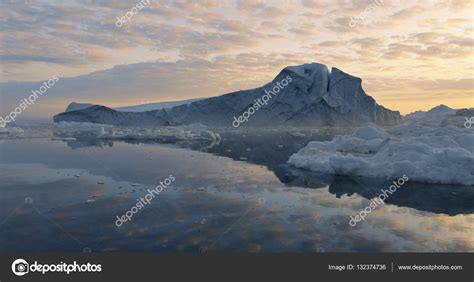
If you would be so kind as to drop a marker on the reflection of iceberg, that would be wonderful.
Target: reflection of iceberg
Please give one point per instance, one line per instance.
(436, 198)
(429, 151)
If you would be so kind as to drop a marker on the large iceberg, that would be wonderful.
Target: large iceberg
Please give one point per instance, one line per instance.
(429, 148)
(316, 96)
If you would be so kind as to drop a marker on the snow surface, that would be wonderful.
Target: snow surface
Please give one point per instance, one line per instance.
(427, 148)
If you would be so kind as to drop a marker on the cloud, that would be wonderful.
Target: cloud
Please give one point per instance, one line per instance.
(154, 81)
(447, 84)
(431, 44)
(408, 13)
(460, 4)
(230, 45)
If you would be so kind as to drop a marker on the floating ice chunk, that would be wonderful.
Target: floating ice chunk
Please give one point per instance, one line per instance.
(7, 132)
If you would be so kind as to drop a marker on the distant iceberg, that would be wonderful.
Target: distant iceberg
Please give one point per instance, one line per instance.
(428, 148)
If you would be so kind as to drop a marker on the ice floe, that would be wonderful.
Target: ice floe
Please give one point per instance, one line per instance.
(164, 133)
(70, 131)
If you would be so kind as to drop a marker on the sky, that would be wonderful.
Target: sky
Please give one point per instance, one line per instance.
(411, 55)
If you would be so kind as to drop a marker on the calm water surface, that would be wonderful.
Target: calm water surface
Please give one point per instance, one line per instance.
(237, 195)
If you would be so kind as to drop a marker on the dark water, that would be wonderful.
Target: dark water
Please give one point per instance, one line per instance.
(237, 195)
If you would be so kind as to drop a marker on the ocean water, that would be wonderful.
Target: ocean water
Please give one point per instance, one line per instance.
(235, 196)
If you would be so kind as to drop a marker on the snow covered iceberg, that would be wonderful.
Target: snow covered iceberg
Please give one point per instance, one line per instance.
(440, 150)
